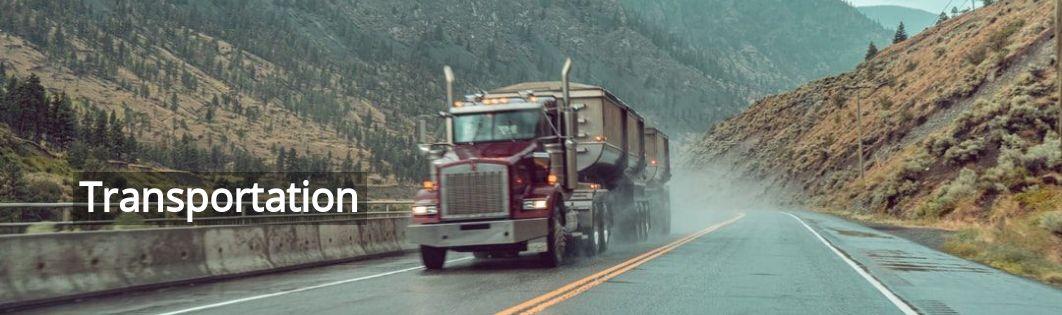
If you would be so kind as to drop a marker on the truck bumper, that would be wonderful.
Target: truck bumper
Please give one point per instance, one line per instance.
(477, 233)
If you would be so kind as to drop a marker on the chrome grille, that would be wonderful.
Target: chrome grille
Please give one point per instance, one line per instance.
(468, 194)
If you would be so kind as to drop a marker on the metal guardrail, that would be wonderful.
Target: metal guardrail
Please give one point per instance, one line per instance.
(21, 227)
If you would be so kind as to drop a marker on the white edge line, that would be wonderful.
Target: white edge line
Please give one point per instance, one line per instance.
(323, 285)
(899, 303)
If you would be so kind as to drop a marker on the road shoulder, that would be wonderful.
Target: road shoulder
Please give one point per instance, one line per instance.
(939, 283)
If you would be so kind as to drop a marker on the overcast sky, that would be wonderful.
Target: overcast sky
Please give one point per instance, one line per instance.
(933, 6)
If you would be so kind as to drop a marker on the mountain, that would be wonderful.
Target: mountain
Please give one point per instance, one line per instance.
(332, 79)
(771, 45)
(890, 16)
(924, 5)
(958, 129)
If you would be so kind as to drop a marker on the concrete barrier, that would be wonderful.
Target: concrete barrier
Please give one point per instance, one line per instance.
(39, 268)
(236, 250)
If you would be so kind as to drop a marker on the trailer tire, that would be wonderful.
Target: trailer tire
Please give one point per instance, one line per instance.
(432, 257)
(556, 241)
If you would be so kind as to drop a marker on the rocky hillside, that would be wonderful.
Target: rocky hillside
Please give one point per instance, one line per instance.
(339, 78)
(958, 130)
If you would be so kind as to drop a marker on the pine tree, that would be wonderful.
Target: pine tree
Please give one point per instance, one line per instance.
(3, 73)
(901, 34)
(281, 158)
(64, 123)
(871, 51)
(99, 130)
(943, 17)
(115, 137)
(348, 164)
(8, 110)
(31, 107)
(292, 161)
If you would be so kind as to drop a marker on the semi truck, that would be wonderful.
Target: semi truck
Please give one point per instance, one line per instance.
(555, 168)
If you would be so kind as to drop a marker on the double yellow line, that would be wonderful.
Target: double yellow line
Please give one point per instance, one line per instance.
(570, 290)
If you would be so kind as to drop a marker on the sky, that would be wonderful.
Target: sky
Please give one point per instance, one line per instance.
(933, 6)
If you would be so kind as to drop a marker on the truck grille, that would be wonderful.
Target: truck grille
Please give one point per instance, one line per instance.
(468, 194)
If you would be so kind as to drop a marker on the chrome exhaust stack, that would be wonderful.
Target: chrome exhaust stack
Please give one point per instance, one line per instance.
(571, 176)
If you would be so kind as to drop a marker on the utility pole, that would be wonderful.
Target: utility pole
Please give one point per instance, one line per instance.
(859, 129)
(859, 133)
(1058, 66)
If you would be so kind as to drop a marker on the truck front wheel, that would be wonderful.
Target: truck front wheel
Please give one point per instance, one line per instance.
(433, 257)
(556, 243)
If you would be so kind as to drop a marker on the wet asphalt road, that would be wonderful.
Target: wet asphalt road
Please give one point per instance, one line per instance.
(764, 262)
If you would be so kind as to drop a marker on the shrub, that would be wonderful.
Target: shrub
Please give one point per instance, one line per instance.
(915, 165)
(41, 188)
(128, 220)
(936, 145)
(1052, 222)
(976, 56)
(948, 195)
(1044, 156)
(940, 51)
(966, 151)
(964, 184)
(41, 227)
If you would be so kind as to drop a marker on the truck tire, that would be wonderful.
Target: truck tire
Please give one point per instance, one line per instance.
(606, 224)
(432, 257)
(556, 242)
(595, 237)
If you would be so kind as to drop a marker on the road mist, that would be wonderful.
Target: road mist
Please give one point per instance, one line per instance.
(706, 195)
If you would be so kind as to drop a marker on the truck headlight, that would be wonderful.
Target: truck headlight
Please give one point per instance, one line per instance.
(425, 210)
(535, 204)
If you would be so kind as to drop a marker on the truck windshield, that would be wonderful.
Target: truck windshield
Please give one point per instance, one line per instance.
(497, 126)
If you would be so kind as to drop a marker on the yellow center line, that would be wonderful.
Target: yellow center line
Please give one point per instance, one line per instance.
(572, 289)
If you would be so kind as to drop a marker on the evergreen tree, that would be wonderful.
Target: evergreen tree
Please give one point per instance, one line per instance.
(98, 138)
(281, 158)
(115, 137)
(292, 163)
(943, 17)
(901, 34)
(3, 73)
(31, 108)
(64, 123)
(7, 102)
(871, 51)
(348, 164)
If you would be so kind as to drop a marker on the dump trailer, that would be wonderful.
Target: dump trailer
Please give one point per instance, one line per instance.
(550, 167)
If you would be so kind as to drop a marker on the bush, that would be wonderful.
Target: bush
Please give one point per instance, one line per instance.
(42, 188)
(950, 194)
(964, 184)
(936, 145)
(1052, 222)
(41, 227)
(976, 56)
(915, 165)
(128, 220)
(1042, 157)
(966, 151)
